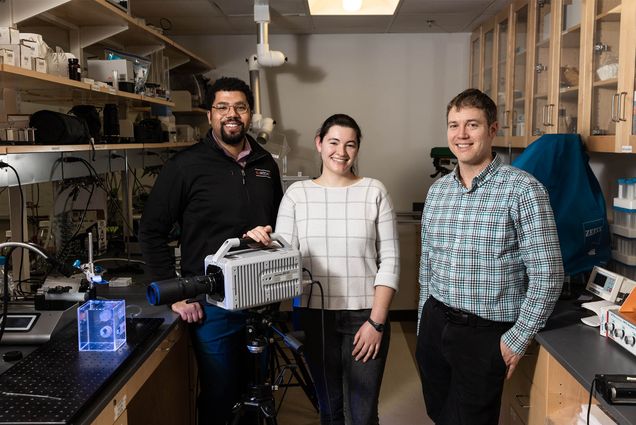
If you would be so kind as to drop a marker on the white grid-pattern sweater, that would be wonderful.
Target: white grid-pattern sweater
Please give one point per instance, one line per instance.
(347, 237)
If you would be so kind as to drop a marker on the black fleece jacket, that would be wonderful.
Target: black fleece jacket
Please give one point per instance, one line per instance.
(212, 198)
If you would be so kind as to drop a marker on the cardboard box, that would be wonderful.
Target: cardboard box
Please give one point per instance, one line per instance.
(39, 65)
(104, 70)
(9, 35)
(8, 55)
(182, 100)
(27, 53)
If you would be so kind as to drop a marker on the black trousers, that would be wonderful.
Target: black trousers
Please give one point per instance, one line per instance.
(460, 364)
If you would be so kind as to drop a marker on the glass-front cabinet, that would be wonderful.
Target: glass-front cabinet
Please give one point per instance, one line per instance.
(561, 66)
(612, 50)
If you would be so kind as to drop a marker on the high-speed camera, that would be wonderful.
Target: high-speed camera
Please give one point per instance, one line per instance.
(238, 279)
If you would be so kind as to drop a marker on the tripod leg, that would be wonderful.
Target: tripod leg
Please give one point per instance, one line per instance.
(237, 413)
(304, 378)
(271, 421)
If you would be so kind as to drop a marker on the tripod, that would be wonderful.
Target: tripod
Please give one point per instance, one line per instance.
(258, 399)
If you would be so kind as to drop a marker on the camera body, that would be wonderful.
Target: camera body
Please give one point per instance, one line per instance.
(257, 275)
(251, 276)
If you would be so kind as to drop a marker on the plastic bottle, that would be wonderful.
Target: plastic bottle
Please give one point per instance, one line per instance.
(72, 73)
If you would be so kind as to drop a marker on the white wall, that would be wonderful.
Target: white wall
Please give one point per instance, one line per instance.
(395, 85)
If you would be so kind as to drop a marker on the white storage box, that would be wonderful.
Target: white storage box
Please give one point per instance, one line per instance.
(9, 35)
(9, 53)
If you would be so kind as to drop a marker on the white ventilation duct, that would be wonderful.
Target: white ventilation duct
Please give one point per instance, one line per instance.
(265, 56)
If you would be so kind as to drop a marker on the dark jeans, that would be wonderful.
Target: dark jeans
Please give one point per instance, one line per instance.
(460, 364)
(222, 359)
(350, 385)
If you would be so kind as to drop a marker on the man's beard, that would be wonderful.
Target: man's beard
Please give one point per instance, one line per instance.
(233, 139)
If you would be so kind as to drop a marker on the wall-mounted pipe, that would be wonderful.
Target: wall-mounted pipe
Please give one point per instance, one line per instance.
(265, 56)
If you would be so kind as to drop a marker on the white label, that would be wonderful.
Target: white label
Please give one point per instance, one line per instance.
(626, 149)
(120, 406)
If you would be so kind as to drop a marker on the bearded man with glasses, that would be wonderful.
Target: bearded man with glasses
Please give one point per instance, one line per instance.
(216, 189)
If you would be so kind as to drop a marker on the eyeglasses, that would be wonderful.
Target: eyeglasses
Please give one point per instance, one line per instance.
(224, 108)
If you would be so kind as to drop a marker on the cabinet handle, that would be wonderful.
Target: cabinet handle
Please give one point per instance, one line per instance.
(622, 106)
(526, 398)
(544, 108)
(601, 47)
(614, 116)
(550, 112)
(506, 114)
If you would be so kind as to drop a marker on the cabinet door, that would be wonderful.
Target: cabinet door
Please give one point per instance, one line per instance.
(501, 76)
(626, 125)
(519, 81)
(542, 39)
(489, 46)
(612, 49)
(475, 60)
(605, 64)
(569, 62)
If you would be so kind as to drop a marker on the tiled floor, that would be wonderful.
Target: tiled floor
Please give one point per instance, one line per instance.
(401, 401)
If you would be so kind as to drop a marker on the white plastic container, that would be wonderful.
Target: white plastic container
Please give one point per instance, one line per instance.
(625, 218)
(627, 188)
(624, 249)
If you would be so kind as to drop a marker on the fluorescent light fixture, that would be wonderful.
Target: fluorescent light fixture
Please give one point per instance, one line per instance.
(341, 7)
(351, 5)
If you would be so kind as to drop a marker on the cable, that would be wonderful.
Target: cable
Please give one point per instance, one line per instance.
(589, 401)
(22, 218)
(324, 352)
(5, 295)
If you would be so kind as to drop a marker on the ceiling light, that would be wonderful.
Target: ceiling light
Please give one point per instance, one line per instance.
(351, 5)
(342, 7)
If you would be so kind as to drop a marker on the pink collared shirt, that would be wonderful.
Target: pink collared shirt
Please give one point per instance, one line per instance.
(240, 159)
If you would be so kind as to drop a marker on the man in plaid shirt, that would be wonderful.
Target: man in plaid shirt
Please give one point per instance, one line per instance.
(490, 270)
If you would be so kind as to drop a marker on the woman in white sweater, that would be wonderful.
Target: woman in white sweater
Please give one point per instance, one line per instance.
(345, 228)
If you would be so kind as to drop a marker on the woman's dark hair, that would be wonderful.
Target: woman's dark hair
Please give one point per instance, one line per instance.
(341, 120)
(473, 98)
(228, 84)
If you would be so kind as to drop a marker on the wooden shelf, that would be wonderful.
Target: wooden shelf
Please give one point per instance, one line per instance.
(609, 83)
(102, 22)
(611, 15)
(21, 149)
(46, 88)
(194, 111)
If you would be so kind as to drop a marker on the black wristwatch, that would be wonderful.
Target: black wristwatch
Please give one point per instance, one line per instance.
(377, 326)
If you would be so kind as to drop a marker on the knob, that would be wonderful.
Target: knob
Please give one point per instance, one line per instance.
(630, 340)
(610, 326)
(619, 333)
